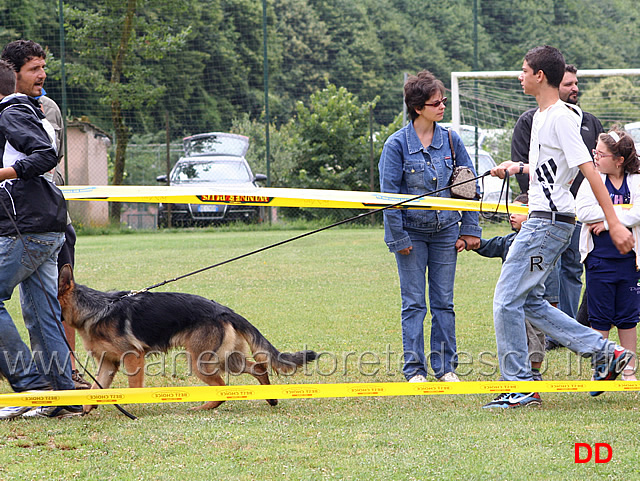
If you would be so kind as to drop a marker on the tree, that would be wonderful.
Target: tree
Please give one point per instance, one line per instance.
(21, 19)
(614, 100)
(282, 145)
(297, 56)
(132, 34)
(332, 135)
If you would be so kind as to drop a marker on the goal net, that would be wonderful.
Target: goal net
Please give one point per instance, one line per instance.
(488, 104)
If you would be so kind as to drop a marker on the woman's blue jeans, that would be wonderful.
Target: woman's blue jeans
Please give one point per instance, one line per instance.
(432, 259)
(36, 271)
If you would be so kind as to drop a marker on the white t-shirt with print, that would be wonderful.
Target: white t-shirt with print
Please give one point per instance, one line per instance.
(555, 152)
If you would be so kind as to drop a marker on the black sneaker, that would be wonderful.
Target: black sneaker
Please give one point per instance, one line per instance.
(54, 412)
(609, 367)
(550, 344)
(514, 400)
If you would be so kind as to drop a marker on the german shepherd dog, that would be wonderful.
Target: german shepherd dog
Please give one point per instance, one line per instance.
(117, 328)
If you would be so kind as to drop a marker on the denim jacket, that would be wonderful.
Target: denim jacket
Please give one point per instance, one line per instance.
(407, 168)
(496, 246)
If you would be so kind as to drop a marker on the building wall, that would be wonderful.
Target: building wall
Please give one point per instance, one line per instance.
(87, 161)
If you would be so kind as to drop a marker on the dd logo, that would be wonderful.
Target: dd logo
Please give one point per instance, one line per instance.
(596, 452)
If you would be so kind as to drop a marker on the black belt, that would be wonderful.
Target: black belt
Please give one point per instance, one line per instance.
(553, 216)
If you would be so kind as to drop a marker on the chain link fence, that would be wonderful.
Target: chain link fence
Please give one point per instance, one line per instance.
(191, 67)
(315, 86)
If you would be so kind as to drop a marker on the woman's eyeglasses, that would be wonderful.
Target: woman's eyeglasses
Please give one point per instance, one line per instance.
(437, 103)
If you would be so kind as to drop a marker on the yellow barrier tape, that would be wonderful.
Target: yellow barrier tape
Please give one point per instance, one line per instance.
(274, 197)
(296, 391)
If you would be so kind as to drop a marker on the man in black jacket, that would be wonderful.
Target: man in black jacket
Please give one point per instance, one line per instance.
(29, 61)
(33, 218)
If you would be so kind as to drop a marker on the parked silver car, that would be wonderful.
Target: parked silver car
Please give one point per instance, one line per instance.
(634, 130)
(211, 159)
(467, 134)
(492, 185)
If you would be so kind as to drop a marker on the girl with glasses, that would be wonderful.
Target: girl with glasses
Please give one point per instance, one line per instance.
(612, 278)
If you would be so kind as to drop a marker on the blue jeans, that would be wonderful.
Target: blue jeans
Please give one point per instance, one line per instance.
(570, 276)
(519, 294)
(552, 285)
(434, 258)
(49, 366)
(564, 284)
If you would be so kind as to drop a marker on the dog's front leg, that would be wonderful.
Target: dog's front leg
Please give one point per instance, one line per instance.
(134, 368)
(107, 369)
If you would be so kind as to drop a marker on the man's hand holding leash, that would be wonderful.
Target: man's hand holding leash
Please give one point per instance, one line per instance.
(511, 167)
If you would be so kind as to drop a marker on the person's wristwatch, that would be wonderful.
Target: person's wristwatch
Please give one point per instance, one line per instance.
(521, 168)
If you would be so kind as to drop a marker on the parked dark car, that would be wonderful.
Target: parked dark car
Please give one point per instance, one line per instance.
(212, 159)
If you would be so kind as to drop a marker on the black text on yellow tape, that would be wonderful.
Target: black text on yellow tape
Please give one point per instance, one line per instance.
(298, 391)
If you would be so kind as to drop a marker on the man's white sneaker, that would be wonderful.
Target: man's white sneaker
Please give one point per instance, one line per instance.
(449, 377)
(11, 412)
(418, 378)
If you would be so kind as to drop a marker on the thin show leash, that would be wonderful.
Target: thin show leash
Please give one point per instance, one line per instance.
(132, 293)
(53, 312)
(350, 219)
(503, 190)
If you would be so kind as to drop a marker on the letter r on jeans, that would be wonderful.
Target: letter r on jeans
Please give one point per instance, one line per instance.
(535, 262)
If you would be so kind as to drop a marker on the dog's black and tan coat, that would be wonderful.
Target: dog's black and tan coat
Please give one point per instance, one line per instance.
(116, 328)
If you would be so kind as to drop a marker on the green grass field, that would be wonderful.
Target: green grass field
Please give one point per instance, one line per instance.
(335, 292)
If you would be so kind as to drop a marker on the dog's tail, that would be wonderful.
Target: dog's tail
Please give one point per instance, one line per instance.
(265, 353)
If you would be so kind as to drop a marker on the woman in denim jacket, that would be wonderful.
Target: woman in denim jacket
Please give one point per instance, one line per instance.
(417, 159)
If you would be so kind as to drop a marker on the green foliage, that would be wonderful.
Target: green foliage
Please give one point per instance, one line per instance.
(118, 67)
(119, 45)
(26, 19)
(301, 41)
(193, 66)
(333, 137)
(282, 146)
(147, 159)
(608, 100)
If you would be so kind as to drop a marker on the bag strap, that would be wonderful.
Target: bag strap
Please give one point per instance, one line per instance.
(453, 151)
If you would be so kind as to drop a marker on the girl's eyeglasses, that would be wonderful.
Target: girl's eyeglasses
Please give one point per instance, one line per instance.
(598, 154)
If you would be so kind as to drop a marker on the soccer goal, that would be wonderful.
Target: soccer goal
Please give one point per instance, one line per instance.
(491, 102)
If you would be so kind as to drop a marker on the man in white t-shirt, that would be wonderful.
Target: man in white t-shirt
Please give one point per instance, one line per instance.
(556, 153)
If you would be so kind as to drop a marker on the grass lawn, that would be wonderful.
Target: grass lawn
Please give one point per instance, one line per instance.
(335, 292)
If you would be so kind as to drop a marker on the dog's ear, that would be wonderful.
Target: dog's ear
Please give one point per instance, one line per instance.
(65, 279)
